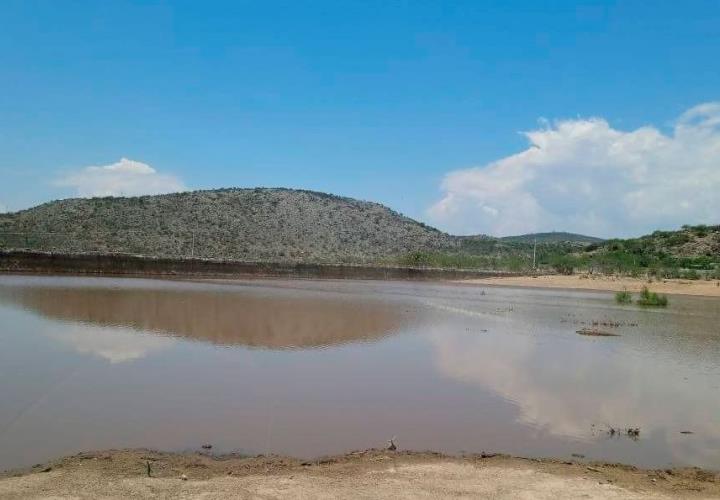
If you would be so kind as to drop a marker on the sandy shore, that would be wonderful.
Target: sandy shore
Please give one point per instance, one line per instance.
(606, 283)
(370, 474)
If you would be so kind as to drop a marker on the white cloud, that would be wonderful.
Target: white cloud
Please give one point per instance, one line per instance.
(585, 176)
(124, 178)
(3, 208)
(113, 344)
(631, 391)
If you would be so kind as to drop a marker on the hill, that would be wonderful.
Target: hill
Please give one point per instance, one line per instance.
(552, 237)
(689, 248)
(286, 225)
(692, 252)
(264, 224)
(687, 242)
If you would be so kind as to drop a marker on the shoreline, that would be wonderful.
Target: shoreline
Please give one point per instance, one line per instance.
(118, 265)
(370, 474)
(48, 263)
(698, 288)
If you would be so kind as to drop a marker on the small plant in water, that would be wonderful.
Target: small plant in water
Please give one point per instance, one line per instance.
(631, 432)
(623, 297)
(648, 298)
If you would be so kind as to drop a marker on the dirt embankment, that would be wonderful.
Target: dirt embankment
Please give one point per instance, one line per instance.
(606, 283)
(136, 265)
(370, 474)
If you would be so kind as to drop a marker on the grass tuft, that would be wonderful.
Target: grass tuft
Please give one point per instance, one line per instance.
(648, 298)
(623, 297)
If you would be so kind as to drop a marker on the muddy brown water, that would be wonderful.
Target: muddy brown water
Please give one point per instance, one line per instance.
(309, 368)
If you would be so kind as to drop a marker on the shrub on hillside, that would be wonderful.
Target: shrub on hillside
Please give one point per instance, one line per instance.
(691, 274)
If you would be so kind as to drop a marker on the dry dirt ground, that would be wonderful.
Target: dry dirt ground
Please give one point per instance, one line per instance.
(369, 474)
(607, 283)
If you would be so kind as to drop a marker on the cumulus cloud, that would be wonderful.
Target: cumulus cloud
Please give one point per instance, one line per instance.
(113, 344)
(585, 176)
(630, 390)
(124, 178)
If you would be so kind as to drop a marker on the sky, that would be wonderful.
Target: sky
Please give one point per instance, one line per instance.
(473, 116)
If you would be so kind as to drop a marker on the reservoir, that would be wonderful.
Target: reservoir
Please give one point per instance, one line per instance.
(311, 368)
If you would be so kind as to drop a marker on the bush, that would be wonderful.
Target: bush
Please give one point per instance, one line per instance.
(692, 274)
(671, 273)
(623, 297)
(648, 298)
(563, 264)
(677, 239)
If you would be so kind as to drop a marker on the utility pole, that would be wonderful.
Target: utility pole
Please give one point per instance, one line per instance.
(534, 252)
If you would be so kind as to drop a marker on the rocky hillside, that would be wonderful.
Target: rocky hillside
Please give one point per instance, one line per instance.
(243, 224)
(285, 225)
(690, 248)
(689, 241)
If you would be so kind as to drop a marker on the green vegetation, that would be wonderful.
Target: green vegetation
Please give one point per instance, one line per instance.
(648, 298)
(690, 253)
(505, 261)
(623, 297)
(690, 274)
(552, 237)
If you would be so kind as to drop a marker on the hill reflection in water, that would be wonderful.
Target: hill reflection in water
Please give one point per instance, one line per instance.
(270, 320)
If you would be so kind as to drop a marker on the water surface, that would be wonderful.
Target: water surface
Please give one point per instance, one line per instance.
(309, 368)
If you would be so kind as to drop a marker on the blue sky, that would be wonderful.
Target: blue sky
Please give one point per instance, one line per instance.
(405, 103)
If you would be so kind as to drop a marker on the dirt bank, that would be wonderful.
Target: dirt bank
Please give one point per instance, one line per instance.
(14, 262)
(607, 283)
(370, 474)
